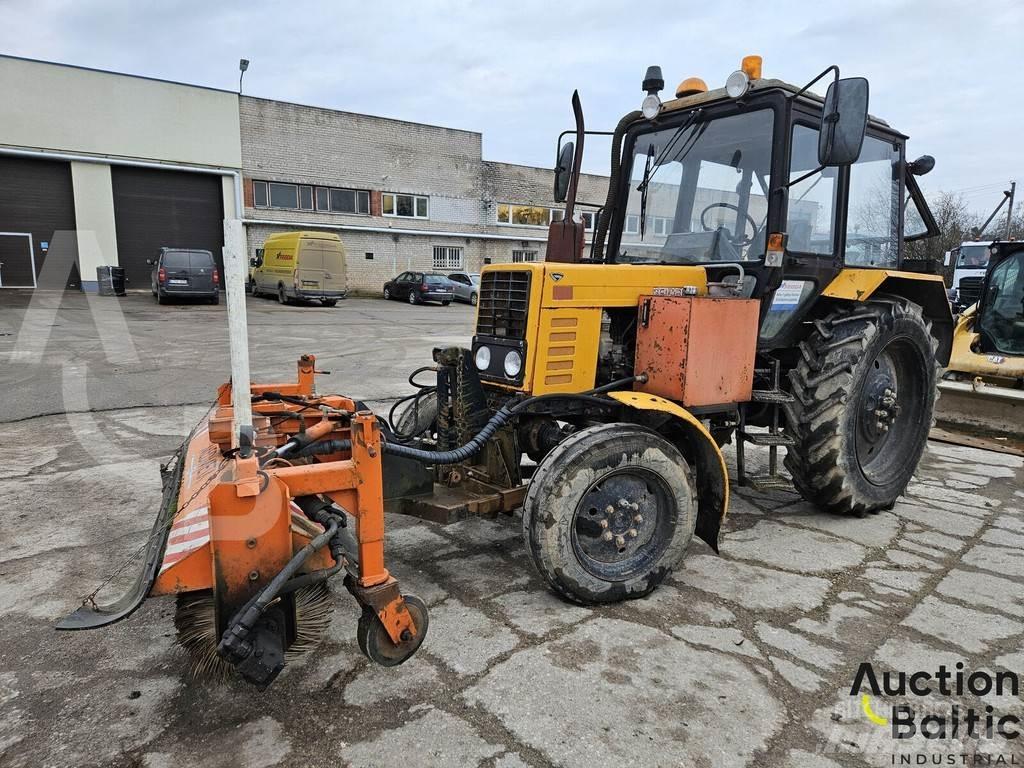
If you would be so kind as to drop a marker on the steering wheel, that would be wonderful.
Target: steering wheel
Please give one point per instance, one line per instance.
(731, 207)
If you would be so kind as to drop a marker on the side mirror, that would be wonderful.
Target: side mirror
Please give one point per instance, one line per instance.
(946, 259)
(254, 262)
(563, 171)
(843, 122)
(922, 165)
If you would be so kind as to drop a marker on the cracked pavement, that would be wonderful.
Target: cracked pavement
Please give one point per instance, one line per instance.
(741, 659)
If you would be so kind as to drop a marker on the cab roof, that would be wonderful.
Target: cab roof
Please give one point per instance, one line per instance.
(758, 86)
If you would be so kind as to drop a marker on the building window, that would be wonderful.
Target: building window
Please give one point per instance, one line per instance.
(662, 226)
(350, 201)
(537, 215)
(259, 194)
(405, 206)
(518, 257)
(524, 215)
(447, 257)
(632, 225)
(283, 195)
(306, 197)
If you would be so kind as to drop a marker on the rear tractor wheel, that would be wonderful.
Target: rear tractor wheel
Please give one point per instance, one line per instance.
(865, 396)
(609, 513)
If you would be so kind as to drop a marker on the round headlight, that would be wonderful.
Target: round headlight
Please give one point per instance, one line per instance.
(482, 358)
(651, 106)
(737, 84)
(513, 364)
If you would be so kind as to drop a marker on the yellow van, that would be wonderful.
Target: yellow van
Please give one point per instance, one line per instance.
(300, 265)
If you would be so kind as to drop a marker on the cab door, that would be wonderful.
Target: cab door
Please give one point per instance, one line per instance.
(263, 274)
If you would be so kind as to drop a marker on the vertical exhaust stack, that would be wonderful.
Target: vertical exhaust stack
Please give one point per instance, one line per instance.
(565, 237)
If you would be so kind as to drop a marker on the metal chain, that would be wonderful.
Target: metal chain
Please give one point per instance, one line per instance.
(90, 599)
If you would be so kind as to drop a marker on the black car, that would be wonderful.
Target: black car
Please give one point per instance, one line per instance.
(417, 287)
(184, 273)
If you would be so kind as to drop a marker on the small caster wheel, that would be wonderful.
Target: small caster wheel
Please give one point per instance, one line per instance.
(375, 643)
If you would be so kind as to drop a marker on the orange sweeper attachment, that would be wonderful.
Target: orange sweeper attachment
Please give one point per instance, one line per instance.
(248, 535)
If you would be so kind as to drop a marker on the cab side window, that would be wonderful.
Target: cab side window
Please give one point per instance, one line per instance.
(811, 217)
(872, 227)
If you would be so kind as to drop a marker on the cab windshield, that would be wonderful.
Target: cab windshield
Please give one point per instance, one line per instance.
(973, 256)
(699, 192)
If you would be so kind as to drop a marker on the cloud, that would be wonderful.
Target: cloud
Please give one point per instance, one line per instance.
(939, 72)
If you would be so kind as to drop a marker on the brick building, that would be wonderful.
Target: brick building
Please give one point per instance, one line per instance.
(103, 168)
(401, 195)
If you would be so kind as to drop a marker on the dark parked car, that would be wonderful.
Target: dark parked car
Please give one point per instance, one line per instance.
(186, 274)
(417, 287)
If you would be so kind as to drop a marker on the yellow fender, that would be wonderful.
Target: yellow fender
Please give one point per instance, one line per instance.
(712, 475)
(928, 291)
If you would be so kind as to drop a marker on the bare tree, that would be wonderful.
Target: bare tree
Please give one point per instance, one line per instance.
(956, 224)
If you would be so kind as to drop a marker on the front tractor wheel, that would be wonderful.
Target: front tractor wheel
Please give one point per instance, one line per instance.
(865, 395)
(609, 513)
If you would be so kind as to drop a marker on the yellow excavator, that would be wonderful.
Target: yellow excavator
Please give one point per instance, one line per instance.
(983, 385)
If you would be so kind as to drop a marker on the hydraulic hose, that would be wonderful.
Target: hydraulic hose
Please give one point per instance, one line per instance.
(265, 596)
(471, 448)
(605, 219)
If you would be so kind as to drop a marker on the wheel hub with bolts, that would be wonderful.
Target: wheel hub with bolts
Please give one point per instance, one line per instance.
(880, 406)
(616, 521)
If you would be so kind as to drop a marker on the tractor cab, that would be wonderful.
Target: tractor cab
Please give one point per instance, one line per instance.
(761, 173)
(1000, 313)
(983, 385)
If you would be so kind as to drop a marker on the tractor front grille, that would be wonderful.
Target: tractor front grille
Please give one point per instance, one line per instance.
(504, 301)
(970, 290)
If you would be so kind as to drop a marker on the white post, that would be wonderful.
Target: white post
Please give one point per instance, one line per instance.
(235, 274)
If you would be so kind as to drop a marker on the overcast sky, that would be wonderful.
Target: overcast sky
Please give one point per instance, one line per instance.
(946, 73)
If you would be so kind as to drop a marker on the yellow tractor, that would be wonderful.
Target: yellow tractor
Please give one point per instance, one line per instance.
(746, 280)
(983, 385)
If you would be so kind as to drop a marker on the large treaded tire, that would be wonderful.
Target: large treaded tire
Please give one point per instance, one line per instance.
(557, 510)
(835, 464)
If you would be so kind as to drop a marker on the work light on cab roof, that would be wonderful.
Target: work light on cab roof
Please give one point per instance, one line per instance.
(653, 83)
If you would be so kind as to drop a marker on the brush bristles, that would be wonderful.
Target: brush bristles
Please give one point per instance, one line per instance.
(195, 621)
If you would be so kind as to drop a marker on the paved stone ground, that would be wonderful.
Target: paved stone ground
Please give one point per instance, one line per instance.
(741, 659)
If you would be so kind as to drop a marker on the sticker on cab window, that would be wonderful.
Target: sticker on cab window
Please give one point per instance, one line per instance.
(787, 296)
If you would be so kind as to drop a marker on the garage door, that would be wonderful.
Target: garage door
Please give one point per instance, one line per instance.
(155, 209)
(36, 203)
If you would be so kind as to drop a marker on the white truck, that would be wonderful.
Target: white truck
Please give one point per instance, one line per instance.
(970, 260)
